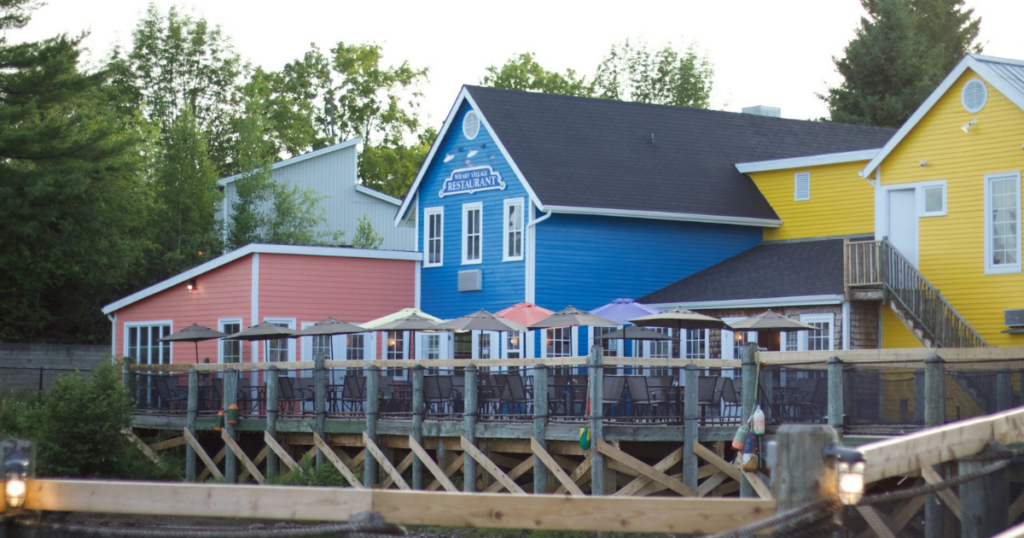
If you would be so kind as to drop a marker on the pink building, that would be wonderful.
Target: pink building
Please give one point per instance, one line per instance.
(292, 286)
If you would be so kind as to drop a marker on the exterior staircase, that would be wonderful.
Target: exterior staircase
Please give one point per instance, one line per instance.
(876, 271)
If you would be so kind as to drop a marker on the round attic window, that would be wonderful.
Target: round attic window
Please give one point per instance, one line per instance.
(471, 125)
(974, 95)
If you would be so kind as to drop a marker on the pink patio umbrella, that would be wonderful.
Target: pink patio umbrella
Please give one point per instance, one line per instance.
(524, 313)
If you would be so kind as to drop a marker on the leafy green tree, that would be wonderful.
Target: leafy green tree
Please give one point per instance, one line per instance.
(665, 77)
(522, 72)
(391, 169)
(902, 50)
(366, 236)
(72, 212)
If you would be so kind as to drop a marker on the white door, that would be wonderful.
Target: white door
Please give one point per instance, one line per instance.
(903, 223)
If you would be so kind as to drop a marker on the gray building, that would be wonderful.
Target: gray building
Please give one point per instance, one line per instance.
(333, 172)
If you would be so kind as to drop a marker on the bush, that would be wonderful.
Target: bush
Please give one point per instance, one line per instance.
(314, 475)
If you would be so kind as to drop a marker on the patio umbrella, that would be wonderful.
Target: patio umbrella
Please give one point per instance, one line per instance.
(407, 319)
(571, 317)
(621, 310)
(524, 313)
(679, 318)
(263, 331)
(770, 321)
(633, 333)
(330, 327)
(194, 333)
(482, 320)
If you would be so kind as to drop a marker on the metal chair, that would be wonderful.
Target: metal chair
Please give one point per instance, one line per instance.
(614, 386)
(640, 401)
(353, 394)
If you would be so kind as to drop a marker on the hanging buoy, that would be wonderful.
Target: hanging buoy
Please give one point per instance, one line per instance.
(750, 450)
(232, 416)
(757, 421)
(585, 438)
(219, 423)
(740, 438)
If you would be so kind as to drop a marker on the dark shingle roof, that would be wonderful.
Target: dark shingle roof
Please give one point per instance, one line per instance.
(598, 153)
(774, 269)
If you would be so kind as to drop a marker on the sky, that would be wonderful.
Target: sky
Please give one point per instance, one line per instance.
(774, 53)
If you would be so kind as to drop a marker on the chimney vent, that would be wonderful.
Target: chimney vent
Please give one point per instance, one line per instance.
(761, 110)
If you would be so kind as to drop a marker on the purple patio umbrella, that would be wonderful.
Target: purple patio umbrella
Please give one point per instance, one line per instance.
(622, 310)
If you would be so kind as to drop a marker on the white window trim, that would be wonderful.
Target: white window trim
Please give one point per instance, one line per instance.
(1006, 268)
(427, 212)
(574, 345)
(130, 324)
(829, 318)
(291, 341)
(727, 337)
(339, 348)
(796, 186)
(505, 229)
(921, 212)
(466, 208)
(221, 322)
(684, 335)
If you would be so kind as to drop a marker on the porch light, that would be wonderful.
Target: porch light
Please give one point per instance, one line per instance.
(514, 341)
(967, 126)
(192, 286)
(849, 466)
(17, 469)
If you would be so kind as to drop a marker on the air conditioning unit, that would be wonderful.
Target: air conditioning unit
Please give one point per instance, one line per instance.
(1014, 318)
(470, 280)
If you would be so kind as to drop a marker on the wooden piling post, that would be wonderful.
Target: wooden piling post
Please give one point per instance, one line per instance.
(272, 396)
(319, 401)
(985, 501)
(372, 410)
(190, 423)
(469, 432)
(597, 460)
(748, 361)
(230, 398)
(918, 396)
(802, 475)
(540, 422)
(418, 410)
(835, 394)
(1004, 390)
(934, 415)
(691, 421)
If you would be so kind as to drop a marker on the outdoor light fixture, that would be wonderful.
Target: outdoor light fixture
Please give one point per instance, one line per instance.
(17, 468)
(924, 163)
(967, 126)
(514, 341)
(849, 466)
(192, 285)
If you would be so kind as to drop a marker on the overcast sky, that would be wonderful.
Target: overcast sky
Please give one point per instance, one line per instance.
(776, 53)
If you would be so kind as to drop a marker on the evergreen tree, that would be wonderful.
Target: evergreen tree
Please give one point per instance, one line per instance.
(902, 50)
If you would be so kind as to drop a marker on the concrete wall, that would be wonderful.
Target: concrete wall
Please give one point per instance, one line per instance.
(20, 364)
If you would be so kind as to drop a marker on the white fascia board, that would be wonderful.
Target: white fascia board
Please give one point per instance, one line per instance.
(378, 195)
(336, 252)
(662, 215)
(298, 159)
(810, 160)
(767, 302)
(463, 97)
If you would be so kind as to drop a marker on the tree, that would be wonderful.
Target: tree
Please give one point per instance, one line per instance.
(366, 236)
(391, 169)
(665, 77)
(522, 72)
(901, 51)
(72, 212)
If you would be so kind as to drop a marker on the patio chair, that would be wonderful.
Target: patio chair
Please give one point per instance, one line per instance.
(705, 394)
(520, 402)
(353, 394)
(640, 402)
(290, 396)
(170, 398)
(614, 386)
(732, 406)
(307, 386)
(489, 394)
(436, 399)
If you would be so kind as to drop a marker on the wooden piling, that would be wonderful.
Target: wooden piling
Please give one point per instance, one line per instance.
(691, 421)
(985, 502)
(918, 396)
(835, 394)
(540, 422)
(1004, 390)
(934, 415)
(469, 432)
(748, 361)
(418, 410)
(802, 475)
(370, 467)
(271, 429)
(319, 401)
(230, 398)
(597, 459)
(190, 423)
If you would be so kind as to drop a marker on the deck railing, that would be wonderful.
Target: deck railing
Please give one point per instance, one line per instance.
(879, 264)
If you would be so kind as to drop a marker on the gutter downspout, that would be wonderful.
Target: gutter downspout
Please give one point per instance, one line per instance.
(113, 336)
(531, 268)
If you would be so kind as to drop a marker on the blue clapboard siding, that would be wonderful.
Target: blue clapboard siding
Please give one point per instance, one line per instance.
(588, 261)
(503, 282)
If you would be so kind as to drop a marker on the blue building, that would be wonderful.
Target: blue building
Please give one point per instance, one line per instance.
(560, 201)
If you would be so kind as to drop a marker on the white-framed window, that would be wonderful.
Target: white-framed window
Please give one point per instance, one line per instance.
(802, 186)
(281, 349)
(514, 345)
(142, 342)
(732, 342)
(695, 343)
(484, 342)
(355, 348)
(431, 350)
(395, 345)
(433, 227)
(610, 347)
(931, 199)
(1002, 223)
(229, 351)
(514, 222)
(318, 344)
(472, 233)
(659, 349)
(558, 343)
(820, 340)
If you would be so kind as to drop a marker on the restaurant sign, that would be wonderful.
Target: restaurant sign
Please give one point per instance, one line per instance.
(470, 180)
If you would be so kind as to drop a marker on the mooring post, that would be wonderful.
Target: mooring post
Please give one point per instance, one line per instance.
(230, 398)
(918, 397)
(985, 501)
(748, 361)
(1004, 390)
(272, 384)
(372, 408)
(934, 415)
(691, 424)
(190, 423)
(319, 401)
(540, 423)
(595, 362)
(835, 394)
(418, 410)
(802, 475)
(469, 432)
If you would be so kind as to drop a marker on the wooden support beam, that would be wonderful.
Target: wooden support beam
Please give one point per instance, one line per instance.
(431, 466)
(490, 467)
(328, 453)
(513, 474)
(211, 467)
(240, 454)
(400, 468)
(541, 453)
(650, 472)
(167, 443)
(874, 520)
(760, 487)
(280, 451)
(1016, 509)
(711, 483)
(577, 476)
(705, 471)
(216, 459)
(142, 446)
(654, 487)
(452, 468)
(255, 461)
(662, 466)
(384, 463)
(932, 477)
(712, 458)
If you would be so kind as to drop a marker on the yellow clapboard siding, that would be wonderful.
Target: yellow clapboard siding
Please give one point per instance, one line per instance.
(896, 335)
(951, 248)
(842, 203)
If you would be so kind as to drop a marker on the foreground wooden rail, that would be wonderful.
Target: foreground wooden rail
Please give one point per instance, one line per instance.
(549, 512)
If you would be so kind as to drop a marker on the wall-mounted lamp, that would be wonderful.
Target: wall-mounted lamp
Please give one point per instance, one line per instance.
(514, 342)
(849, 466)
(17, 468)
(924, 163)
(739, 338)
(967, 126)
(191, 286)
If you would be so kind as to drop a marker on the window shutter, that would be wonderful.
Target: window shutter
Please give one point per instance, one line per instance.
(803, 187)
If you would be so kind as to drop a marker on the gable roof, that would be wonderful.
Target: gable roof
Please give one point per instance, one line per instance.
(784, 269)
(1003, 74)
(597, 156)
(297, 159)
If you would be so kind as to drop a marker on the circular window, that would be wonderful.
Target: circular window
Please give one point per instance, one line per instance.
(974, 95)
(471, 125)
